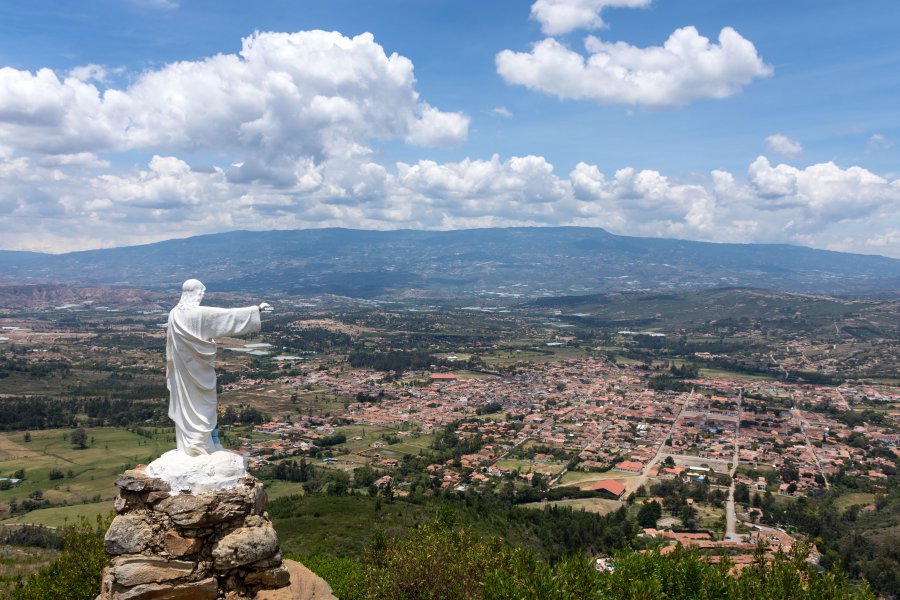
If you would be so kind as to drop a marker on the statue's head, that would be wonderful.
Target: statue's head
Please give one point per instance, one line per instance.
(191, 294)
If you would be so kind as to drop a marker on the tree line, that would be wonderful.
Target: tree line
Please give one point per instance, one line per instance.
(19, 413)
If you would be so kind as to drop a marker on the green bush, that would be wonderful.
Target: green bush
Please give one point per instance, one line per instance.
(437, 562)
(77, 573)
(345, 575)
(441, 562)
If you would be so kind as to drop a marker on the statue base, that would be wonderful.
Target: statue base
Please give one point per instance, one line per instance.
(203, 546)
(198, 474)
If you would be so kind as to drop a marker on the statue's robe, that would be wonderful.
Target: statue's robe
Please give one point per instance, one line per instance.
(190, 369)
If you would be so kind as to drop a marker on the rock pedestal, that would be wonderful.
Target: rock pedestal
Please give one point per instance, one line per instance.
(217, 544)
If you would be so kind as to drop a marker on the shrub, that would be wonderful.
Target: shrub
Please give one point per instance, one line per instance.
(438, 561)
(76, 574)
(345, 575)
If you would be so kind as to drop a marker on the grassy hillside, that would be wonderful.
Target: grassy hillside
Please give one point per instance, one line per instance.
(66, 479)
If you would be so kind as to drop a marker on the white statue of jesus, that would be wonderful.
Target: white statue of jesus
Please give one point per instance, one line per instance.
(190, 364)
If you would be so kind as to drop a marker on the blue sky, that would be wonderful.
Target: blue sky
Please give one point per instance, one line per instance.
(129, 122)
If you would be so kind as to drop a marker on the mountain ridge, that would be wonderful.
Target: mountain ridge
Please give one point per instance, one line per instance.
(536, 260)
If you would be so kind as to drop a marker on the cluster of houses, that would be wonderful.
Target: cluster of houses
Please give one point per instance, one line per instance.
(607, 417)
(741, 553)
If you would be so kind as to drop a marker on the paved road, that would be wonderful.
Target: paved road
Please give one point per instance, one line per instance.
(796, 413)
(556, 478)
(730, 512)
(636, 482)
(774, 360)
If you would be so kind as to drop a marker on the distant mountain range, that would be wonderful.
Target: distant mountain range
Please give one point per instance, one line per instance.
(517, 262)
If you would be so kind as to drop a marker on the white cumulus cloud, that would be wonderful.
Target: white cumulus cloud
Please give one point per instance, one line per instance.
(65, 206)
(492, 186)
(91, 71)
(79, 159)
(284, 97)
(781, 144)
(435, 128)
(158, 4)
(558, 17)
(685, 68)
(879, 141)
(823, 193)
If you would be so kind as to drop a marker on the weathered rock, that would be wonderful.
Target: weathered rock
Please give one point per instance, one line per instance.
(198, 590)
(229, 507)
(128, 534)
(188, 510)
(154, 497)
(245, 546)
(218, 543)
(129, 502)
(273, 561)
(177, 545)
(260, 499)
(135, 570)
(106, 582)
(271, 578)
(305, 585)
(134, 480)
(255, 521)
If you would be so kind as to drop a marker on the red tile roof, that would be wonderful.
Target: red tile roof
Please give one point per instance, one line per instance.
(609, 485)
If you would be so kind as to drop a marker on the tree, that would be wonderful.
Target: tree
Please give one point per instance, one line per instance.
(669, 462)
(77, 573)
(742, 493)
(27, 436)
(364, 476)
(80, 438)
(539, 481)
(437, 561)
(789, 472)
(649, 514)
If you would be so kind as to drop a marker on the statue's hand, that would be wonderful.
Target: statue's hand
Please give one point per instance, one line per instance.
(264, 305)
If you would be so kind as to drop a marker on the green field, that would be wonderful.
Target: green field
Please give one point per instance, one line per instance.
(710, 517)
(600, 506)
(275, 399)
(277, 489)
(721, 374)
(468, 375)
(530, 466)
(87, 487)
(18, 562)
(518, 464)
(60, 516)
(88, 474)
(414, 444)
(344, 525)
(370, 434)
(581, 479)
(848, 500)
(502, 359)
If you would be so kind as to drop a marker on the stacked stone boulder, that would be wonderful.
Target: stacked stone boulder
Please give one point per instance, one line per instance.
(217, 544)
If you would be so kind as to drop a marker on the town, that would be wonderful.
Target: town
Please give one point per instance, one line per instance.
(533, 407)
